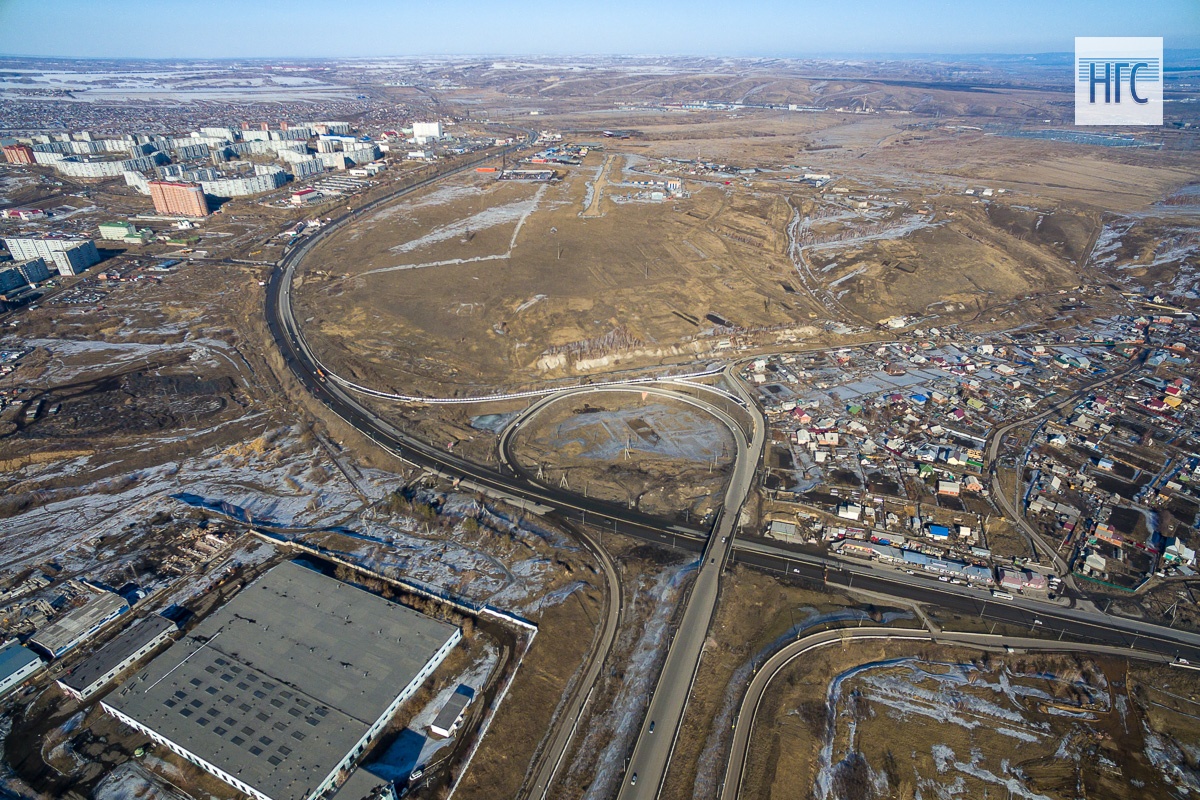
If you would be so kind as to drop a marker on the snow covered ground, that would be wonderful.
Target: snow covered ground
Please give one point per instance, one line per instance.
(982, 702)
(415, 747)
(607, 740)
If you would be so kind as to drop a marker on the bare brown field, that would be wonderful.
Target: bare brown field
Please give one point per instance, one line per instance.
(575, 294)
(479, 283)
(756, 613)
(1049, 724)
(655, 455)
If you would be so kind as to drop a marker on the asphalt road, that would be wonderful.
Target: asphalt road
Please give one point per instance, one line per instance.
(1007, 505)
(747, 716)
(562, 735)
(652, 750)
(550, 759)
(660, 728)
(1048, 619)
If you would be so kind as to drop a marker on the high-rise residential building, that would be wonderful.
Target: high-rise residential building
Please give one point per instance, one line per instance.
(70, 256)
(18, 154)
(266, 178)
(10, 279)
(178, 199)
(34, 270)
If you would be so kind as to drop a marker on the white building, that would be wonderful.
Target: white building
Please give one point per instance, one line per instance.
(426, 131)
(70, 256)
(16, 664)
(251, 184)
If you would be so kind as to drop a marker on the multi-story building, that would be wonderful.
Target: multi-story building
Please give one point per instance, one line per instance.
(192, 152)
(124, 232)
(309, 166)
(426, 131)
(34, 270)
(70, 256)
(363, 153)
(104, 169)
(178, 199)
(18, 154)
(116, 231)
(40, 157)
(137, 180)
(227, 134)
(250, 184)
(11, 278)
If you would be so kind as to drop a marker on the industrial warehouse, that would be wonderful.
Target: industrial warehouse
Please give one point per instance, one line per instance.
(286, 686)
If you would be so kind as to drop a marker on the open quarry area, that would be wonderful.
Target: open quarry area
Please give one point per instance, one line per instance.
(605, 428)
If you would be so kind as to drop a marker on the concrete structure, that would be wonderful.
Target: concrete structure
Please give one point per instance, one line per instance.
(178, 199)
(333, 160)
(105, 169)
(34, 270)
(287, 685)
(426, 131)
(79, 625)
(116, 231)
(452, 712)
(117, 656)
(224, 134)
(365, 785)
(70, 256)
(17, 663)
(18, 154)
(362, 153)
(11, 278)
(306, 167)
(241, 187)
(137, 180)
(47, 158)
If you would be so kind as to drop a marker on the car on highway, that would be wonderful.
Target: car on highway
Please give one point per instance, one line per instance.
(944, 578)
(651, 726)
(633, 780)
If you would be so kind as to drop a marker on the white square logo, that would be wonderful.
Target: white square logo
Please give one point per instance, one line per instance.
(1118, 80)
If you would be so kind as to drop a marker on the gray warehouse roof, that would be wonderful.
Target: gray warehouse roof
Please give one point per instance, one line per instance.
(75, 626)
(116, 651)
(278, 686)
(361, 785)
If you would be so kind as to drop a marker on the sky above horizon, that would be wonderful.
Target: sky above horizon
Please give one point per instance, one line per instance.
(799, 28)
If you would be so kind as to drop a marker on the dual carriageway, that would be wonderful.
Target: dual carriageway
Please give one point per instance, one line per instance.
(734, 408)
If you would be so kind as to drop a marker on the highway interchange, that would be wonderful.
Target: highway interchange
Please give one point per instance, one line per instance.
(1077, 628)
